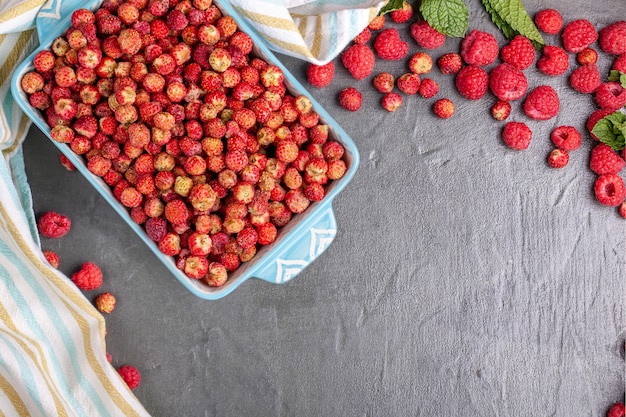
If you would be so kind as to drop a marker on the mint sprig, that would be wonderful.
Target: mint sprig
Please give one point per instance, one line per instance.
(512, 19)
(449, 17)
(618, 76)
(611, 130)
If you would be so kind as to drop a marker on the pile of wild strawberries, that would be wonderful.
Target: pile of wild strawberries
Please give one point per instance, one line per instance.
(196, 136)
(506, 80)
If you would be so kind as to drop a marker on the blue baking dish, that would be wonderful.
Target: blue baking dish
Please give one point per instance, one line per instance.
(298, 244)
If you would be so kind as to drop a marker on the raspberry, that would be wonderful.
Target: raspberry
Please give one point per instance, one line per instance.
(130, 375)
(105, 302)
(620, 63)
(519, 52)
(587, 56)
(558, 158)
(611, 96)
(622, 212)
(501, 110)
(408, 83)
(363, 37)
(594, 118)
(350, 99)
(542, 103)
(391, 101)
(508, 82)
(609, 190)
(479, 48)
(549, 21)
(53, 225)
(384, 82)
(358, 60)
(443, 108)
(389, 46)
(426, 36)
(578, 34)
(88, 278)
(402, 15)
(585, 79)
(617, 409)
(320, 75)
(472, 82)
(428, 88)
(613, 38)
(517, 135)
(605, 160)
(420, 63)
(553, 61)
(566, 138)
(450, 63)
(52, 258)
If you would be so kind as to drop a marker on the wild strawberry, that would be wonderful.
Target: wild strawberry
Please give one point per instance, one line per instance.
(377, 23)
(105, 302)
(384, 82)
(443, 108)
(314, 192)
(32, 82)
(363, 37)
(542, 103)
(558, 158)
(67, 164)
(88, 277)
(170, 244)
(52, 258)
(501, 110)
(350, 99)
(296, 201)
(39, 100)
(408, 83)
(517, 135)
(53, 225)
(358, 60)
(578, 35)
(336, 169)
(217, 275)
(391, 101)
(292, 178)
(199, 244)
(247, 238)
(566, 138)
(227, 26)
(609, 190)
(549, 21)
(426, 36)
(587, 56)
(176, 211)
(450, 63)
(65, 76)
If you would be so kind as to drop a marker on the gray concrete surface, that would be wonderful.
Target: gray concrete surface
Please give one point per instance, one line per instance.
(465, 279)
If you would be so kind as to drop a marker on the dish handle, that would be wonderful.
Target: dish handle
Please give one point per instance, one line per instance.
(303, 249)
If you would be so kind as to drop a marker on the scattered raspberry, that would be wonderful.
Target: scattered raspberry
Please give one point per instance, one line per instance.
(587, 56)
(130, 375)
(358, 60)
(350, 99)
(501, 110)
(479, 48)
(408, 83)
(609, 190)
(594, 118)
(88, 278)
(105, 302)
(517, 135)
(605, 160)
(553, 61)
(617, 409)
(388, 45)
(384, 82)
(519, 52)
(542, 103)
(558, 158)
(611, 96)
(426, 36)
(443, 108)
(391, 101)
(620, 63)
(578, 34)
(566, 138)
(320, 75)
(549, 21)
(428, 88)
(585, 79)
(53, 225)
(508, 82)
(622, 212)
(450, 63)
(402, 15)
(52, 258)
(472, 82)
(613, 38)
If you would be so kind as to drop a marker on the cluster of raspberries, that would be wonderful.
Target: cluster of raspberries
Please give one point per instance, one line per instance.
(477, 72)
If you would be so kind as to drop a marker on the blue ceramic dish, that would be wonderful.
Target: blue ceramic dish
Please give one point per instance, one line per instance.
(298, 243)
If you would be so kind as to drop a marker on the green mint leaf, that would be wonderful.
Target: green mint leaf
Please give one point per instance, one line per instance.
(504, 27)
(449, 17)
(614, 75)
(391, 6)
(622, 80)
(611, 130)
(515, 15)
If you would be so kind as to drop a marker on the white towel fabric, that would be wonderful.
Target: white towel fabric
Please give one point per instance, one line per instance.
(52, 347)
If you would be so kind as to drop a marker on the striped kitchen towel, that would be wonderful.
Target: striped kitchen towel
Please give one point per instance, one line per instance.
(312, 30)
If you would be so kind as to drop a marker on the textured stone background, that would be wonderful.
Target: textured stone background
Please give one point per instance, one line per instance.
(465, 278)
